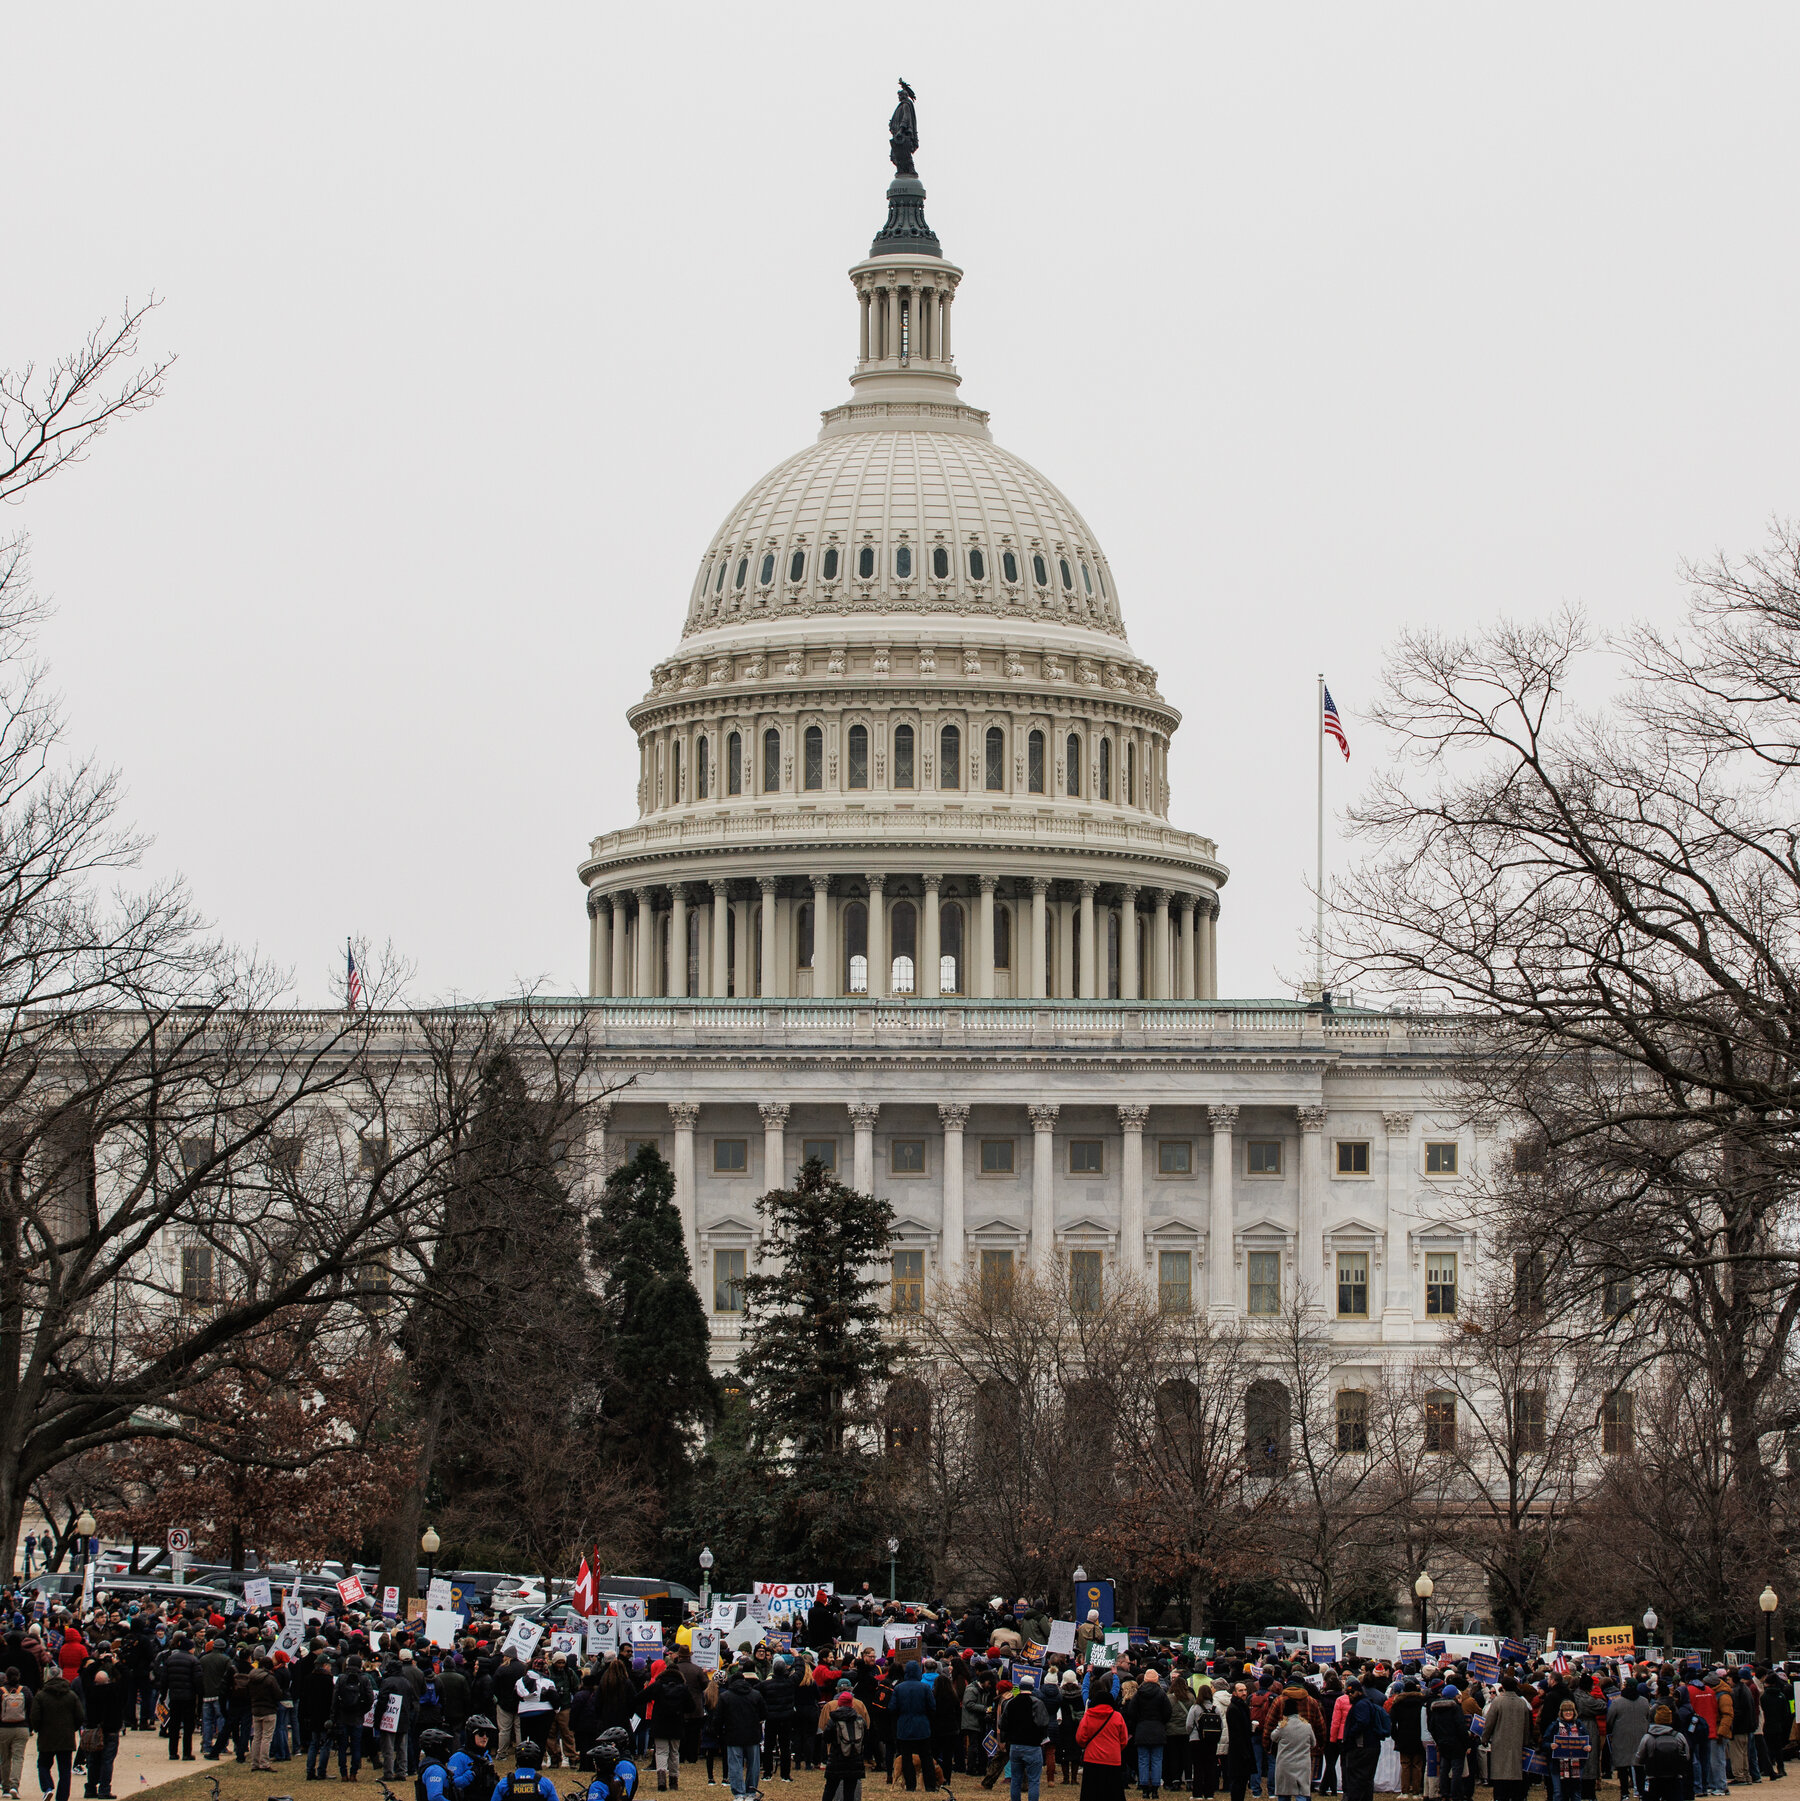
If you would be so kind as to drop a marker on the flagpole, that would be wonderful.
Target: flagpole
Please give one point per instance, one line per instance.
(1319, 941)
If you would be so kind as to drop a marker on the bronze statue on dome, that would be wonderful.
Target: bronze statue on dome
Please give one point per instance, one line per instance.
(903, 133)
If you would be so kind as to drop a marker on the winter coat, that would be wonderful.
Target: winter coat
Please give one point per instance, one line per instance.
(738, 1713)
(178, 1675)
(977, 1698)
(57, 1714)
(1590, 1710)
(1660, 1747)
(1448, 1725)
(669, 1703)
(1727, 1705)
(313, 1683)
(72, 1655)
(1506, 1728)
(1407, 1710)
(781, 1697)
(350, 1697)
(1744, 1710)
(1024, 1719)
(1292, 1742)
(1238, 1731)
(1310, 1712)
(1103, 1735)
(913, 1709)
(262, 1691)
(1148, 1713)
(1626, 1723)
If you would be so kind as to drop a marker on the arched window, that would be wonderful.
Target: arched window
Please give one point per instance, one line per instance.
(829, 570)
(1072, 767)
(1178, 1421)
(734, 764)
(903, 929)
(1087, 581)
(1002, 936)
(903, 756)
(797, 566)
(1040, 572)
(865, 562)
(767, 573)
(994, 768)
(940, 563)
(977, 565)
(815, 757)
(1009, 566)
(903, 562)
(702, 769)
(1112, 955)
(858, 758)
(1130, 795)
(1106, 769)
(1062, 564)
(772, 760)
(856, 948)
(803, 935)
(743, 572)
(1268, 1428)
(950, 757)
(674, 769)
(1034, 763)
(950, 947)
(719, 585)
(908, 1412)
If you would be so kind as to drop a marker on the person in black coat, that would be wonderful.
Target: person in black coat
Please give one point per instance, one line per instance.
(1240, 1758)
(178, 1676)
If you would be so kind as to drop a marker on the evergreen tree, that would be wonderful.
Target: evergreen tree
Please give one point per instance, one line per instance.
(659, 1389)
(816, 1362)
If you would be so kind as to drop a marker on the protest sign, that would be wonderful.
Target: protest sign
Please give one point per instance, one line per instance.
(1610, 1640)
(350, 1591)
(293, 1635)
(390, 1602)
(871, 1636)
(1321, 1649)
(390, 1714)
(257, 1593)
(759, 1609)
(522, 1636)
(442, 1625)
(791, 1594)
(1117, 1639)
(1199, 1647)
(643, 1632)
(704, 1647)
(415, 1608)
(292, 1607)
(724, 1614)
(1062, 1638)
(602, 1636)
(777, 1641)
(438, 1598)
(568, 1643)
(1381, 1642)
(629, 1612)
(1099, 1656)
(900, 1633)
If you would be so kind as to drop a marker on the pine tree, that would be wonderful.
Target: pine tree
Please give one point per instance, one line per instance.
(659, 1389)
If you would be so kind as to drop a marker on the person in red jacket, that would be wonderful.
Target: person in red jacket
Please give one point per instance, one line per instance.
(73, 1653)
(1101, 1738)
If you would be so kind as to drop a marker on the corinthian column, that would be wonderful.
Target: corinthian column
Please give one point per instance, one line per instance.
(1089, 960)
(863, 1115)
(774, 1118)
(1128, 944)
(954, 1117)
(1221, 1255)
(1131, 1190)
(1039, 963)
(878, 954)
(1311, 1121)
(686, 1116)
(678, 941)
(721, 941)
(928, 923)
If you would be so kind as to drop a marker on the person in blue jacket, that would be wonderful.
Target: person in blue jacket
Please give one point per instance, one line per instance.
(523, 1783)
(434, 1781)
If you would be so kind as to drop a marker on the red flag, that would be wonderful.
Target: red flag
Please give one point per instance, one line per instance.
(584, 1590)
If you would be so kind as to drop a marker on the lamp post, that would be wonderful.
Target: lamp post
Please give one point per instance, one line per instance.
(893, 1555)
(706, 1563)
(430, 1544)
(1768, 1601)
(1649, 1624)
(1422, 1588)
(85, 1526)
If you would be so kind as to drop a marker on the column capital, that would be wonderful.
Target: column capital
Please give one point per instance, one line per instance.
(1186, 903)
(1222, 1119)
(1159, 897)
(647, 895)
(1132, 1115)
(685, 1114)
(820, 883)
(1310, 1119)
(774, 1113)
(678, 891)
(1396, 1125)
(1040, 884)
(988, 883)
(767, 884)
(720, 887)
(619, 898)
(953, 1115)
(1210, 906)
(1043, 1118)
(1127, 895)
(876, 883)
(864, 1114)
(1086, 889)
(932, 883)
(602, 1113)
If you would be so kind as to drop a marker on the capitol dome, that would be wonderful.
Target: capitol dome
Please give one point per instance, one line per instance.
(903, 747)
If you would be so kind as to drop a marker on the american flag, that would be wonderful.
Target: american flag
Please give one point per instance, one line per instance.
(1335, 726)
(353, 986)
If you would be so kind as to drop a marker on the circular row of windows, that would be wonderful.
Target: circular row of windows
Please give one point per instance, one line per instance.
(866, 560)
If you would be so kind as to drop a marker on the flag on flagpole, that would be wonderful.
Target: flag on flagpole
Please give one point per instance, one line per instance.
(1335, 726)
(353, 983)
(583, 1597)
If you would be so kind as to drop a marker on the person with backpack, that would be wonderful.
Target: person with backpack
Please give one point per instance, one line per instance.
(15, 1732)
(1365, 1726)
(844, 1726)
(1206, 1740)
(1665, 1759)
(352, 1696)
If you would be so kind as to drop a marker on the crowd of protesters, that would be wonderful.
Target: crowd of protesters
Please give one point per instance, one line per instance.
(974, 1696)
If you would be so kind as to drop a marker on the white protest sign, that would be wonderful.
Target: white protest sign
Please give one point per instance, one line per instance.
(872, 1637)
(438, 1598)
(899, 1635)
(602, 1636)
(390, 1602)
(442, 1625)
(390, 1714)
(704, 1647)
(1381, 1642)
(568, 1643)
(643, 1632)
(792, 1595)
(628, 1611)
(1062, 1638)
(257, 1593)
(292, 1608)
(1116, 1640)
(369, 1717)
(759, 1611)
(724, 1614)
(523, 1636)
(293, 1635)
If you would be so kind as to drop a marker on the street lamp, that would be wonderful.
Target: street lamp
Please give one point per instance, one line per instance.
(430, 1545)
(1422, 1588)
(706, 1563)
(1649, 1624)
(85, 1526)
(1768, 1601)
(893, 1553)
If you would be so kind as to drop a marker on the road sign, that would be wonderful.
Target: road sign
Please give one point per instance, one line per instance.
(178, 1540)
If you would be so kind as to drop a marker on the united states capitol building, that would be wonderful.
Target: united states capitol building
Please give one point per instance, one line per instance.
(906, 891)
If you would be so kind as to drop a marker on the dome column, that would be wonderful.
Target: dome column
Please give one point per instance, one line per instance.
(646, 942)
(1039, 970)
(1159, 948)
(766, 885)
(1187, 991)
(678, 940)
(620, 985)
(1128, 944)
(1088, 960)
(928, 976)
(599, 946)
(721, 941)
(878, 957)
(1209, 952)
(984, 940)
(825, 969)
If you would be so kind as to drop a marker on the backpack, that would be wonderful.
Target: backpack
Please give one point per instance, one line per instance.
(13, 1711)
(1211, 1726)
(847, 1730)
(1669, 1757)
(522, 1785)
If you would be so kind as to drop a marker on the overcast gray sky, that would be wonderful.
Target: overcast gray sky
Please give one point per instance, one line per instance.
(1331, 319)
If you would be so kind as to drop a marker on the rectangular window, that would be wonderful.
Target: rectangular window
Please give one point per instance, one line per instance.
(996, 1156)
(825, 1149)
(1616, 1424)
(1264, 1157)
(371, 1151)
(1615, 1296)
(1086, 1157)
(771, 761)
(1352, 1419)
(197, 1274)
(728, 1281)
(994, 772)
(1440, 1157)
(196, 1153)
(1174, 1281)
(1440, 1284)
(903, 756)
(997, 1278)
(1530, 1284)
(1084, 1281)
(1440, 1422)
(906, 1156)
(909, 1282)
(1353, 1284)
(1353, 1157)
(1034, 763)
(634, 1146)
(731, 1156)
(1528, 1415)
(374, 1284)
(1265, 1283)
(814, 743)
(859, 756)
(734, 764)
(1174, 1157)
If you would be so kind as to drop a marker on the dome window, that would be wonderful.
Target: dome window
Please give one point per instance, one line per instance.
(950, 757)
(1034, 763)
(1062, 563)
(815, 757)
(1037, 569)
(995, 766)
(858, 759)
(772, 761)
(903, 756)
(743, 572)
(1087, 581)
(977, 565)
(719, 585)
(1072, 786)
(940, 563)
(702, 770)
(797, 565)
(1106, 769)
(903, 562)
(865, 563)
(767, 573)
(1100, 576)
(734, 764)
(1009, 566)
(830, 569)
